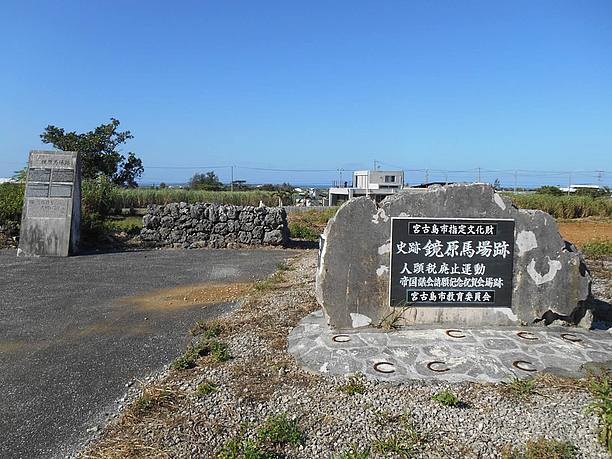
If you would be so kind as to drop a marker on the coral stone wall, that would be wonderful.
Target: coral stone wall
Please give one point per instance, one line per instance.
(212, 225)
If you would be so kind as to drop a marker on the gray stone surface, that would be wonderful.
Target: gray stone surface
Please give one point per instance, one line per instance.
(51, 220)
(550, 281)
(477, 354)
(212, 225)
(69, 341)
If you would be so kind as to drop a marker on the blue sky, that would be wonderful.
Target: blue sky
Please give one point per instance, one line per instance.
(316, 85)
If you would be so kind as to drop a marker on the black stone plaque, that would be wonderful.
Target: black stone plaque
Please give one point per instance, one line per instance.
(60, 191)
(62, 175)
(37, 190)
(39, 175)
(451, 262)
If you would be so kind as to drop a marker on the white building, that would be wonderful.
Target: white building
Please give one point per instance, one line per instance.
(374, 184)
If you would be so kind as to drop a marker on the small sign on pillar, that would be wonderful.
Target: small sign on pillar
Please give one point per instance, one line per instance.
(50, 224)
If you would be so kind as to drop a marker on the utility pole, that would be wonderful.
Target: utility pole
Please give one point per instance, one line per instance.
(479, 175)
(515, 180)
(232, 178)
(375, 165)
(569, 184)
(426, 176)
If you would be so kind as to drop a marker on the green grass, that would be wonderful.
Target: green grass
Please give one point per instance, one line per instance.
(405, 442)
(270, 283)
(219, 351)
(280, 430)
(353, 385)
(310, 223)
(186, 361)
(208, 329)
(151, 397)
(542, 449)
(601, 390)
(142, 197)
(521, 388)
(446, 398)
(206, 346)
(597, 248)
(565, 206)
(206, 388)
(243, 448)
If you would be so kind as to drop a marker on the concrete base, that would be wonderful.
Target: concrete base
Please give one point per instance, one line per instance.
(479, 355)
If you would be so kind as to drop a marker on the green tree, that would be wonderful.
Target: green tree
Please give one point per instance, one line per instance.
(547, 189)
(99, 152)
(208, 181)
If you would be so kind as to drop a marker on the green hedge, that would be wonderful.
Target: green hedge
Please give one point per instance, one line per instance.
(565, 206)
(142, 197)
(11, 202)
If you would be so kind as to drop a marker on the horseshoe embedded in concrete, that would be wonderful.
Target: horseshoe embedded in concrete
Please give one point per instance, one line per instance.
(570, 337)
(430, 366)
(527, 335)
(520, 364)
(455, 333)
(341, 338)
(384, 367)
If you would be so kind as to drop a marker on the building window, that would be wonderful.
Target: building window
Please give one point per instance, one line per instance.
(389, 178)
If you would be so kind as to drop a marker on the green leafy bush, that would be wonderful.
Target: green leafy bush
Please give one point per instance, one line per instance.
(11, 202)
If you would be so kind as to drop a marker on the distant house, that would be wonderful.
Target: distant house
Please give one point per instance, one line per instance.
(374, 184)
(6, 180)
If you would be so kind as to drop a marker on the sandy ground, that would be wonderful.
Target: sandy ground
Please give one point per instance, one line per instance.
(583, 230)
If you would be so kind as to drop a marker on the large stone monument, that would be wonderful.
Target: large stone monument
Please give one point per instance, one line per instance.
(456, 255)
(52, 205)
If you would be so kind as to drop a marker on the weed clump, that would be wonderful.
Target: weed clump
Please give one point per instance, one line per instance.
(280, 430)
(208, 329)
(542, 449)
(243, 448)
(601, 406)
(405, 442)
(206, 388)
(353, 385)
(521, 388)
(446, 398)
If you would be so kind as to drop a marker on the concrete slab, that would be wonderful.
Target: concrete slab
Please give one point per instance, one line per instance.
(477, 355)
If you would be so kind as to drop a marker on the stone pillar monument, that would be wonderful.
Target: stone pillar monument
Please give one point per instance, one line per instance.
(51, 219)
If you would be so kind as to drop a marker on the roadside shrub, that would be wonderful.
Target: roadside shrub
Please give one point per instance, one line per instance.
(11, 202)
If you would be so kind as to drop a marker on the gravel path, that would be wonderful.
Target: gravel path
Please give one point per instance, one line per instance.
(262, 380)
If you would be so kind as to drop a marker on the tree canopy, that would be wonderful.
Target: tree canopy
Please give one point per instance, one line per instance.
(208, 181)
(99, 152)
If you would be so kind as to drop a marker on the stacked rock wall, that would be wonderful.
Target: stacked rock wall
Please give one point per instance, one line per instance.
(212, 225)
